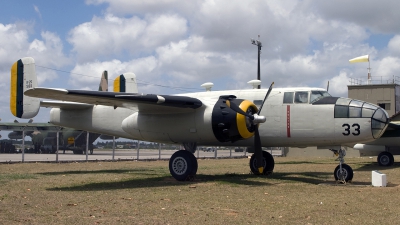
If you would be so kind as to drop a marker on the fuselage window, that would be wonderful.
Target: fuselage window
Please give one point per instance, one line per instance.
(288, 97)
(341, 111)
(354, 112)
(367, 112)
(301, 97)
(348, 108)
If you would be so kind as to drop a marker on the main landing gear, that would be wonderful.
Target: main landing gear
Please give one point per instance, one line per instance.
(343, 173)
(268, 164)
(183, 165)
(385, 159)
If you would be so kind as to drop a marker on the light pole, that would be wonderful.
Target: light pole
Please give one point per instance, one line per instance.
(259, 45)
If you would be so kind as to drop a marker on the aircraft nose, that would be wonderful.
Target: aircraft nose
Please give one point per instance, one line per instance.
(379, 122)
(352, 108)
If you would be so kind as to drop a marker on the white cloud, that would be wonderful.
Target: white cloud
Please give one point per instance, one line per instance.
(386, 69)
(338, 84)
(113, 35)
(394, 45)
(87, 75)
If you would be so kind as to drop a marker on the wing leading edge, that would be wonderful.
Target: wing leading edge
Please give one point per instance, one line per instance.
(143, 102)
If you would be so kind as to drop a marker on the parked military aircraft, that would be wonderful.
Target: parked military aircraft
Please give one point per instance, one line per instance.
(280, 117)
(15, 135)
(43, 135)
(386, 146)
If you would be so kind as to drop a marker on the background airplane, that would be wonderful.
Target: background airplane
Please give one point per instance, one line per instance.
(43, 135)
(386, 146)
(287, 117)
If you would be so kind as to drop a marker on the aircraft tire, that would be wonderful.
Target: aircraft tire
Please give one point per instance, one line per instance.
(385, 159)
(347, 170)
(195, 164)
(269, 164)
(183, 165)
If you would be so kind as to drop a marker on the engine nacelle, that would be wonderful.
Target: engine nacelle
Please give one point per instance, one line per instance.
(229, 125)
(213, 123)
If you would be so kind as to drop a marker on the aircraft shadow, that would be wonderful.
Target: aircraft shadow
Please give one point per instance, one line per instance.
(167, 180)
(300, 162)
(135, 171)
(375, 166)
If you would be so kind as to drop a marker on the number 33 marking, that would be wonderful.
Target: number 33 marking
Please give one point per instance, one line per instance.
(347, 129)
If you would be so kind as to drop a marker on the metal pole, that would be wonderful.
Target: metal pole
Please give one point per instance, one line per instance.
(23, 145)
(215, 153)
(159, 150)
(258, 68)
(230, 152)
(137, 150)
(58, 133)
(87, 144)
(113, 148)
(259, 45)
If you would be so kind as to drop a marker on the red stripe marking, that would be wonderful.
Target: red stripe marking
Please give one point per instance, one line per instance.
(288, 120)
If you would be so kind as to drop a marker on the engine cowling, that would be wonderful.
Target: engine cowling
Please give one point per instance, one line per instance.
(230, 126)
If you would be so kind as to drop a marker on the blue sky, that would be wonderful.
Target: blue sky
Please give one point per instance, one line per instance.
(184, 44)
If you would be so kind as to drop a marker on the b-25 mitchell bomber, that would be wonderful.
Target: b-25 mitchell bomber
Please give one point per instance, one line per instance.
(285, 117)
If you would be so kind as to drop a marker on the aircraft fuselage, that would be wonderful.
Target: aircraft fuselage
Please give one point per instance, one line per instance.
(289, 122)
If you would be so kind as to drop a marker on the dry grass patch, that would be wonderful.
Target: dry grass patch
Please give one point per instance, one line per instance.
(224, 192)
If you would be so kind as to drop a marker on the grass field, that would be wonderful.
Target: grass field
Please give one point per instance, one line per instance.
(224, 192)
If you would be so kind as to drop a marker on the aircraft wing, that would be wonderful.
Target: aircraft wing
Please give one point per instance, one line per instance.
(29, 126)
(64, 105)
(144, 102)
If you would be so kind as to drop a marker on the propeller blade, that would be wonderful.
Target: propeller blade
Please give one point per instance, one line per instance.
(237, 109)
(265, 98)
(258, 151)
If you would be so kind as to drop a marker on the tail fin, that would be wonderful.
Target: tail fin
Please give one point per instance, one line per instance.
(126, 83)
(103, 86)
(23, 77)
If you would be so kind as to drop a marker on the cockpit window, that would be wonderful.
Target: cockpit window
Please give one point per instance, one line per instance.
(301, 97)
(317, 95)
(288, 97)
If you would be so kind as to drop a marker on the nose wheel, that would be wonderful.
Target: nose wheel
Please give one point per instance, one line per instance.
(343, 173)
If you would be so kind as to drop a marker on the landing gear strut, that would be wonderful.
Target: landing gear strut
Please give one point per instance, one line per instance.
(268, 163)
(343, 173)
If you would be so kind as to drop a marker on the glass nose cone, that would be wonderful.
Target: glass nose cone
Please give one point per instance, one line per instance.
(379, 122)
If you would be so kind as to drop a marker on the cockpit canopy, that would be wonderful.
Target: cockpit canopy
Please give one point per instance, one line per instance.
(303, 97)
(351, 108)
